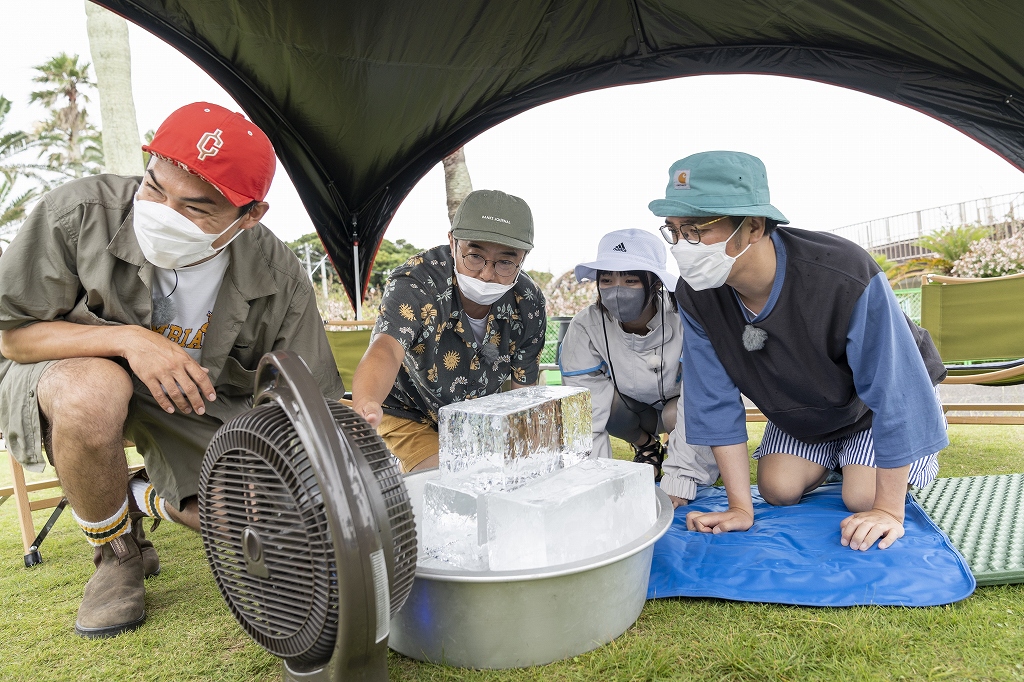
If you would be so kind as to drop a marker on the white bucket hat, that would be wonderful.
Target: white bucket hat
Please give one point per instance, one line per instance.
(625, 250)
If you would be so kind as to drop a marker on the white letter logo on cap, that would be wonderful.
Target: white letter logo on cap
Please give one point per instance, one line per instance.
(209, 144)
(681, 179)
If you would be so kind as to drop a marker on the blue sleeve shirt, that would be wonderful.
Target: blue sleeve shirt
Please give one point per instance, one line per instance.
(888, 372)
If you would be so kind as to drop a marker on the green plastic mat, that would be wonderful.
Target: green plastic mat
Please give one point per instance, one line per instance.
(984, 518)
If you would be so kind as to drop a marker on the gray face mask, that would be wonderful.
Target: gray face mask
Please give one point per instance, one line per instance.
(624, 304)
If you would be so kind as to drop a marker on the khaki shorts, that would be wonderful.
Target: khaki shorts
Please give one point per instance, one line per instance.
(410, 441)
(172, 445)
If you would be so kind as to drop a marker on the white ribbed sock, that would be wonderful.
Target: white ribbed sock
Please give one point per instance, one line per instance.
(99, 533)
(147, 500)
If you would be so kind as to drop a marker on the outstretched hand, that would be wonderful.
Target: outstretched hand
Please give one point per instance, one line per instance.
(370, 411)
(733, 518)
(861, 530)
(172, 376)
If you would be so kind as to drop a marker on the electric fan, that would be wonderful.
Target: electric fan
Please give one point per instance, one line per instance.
(307, 527)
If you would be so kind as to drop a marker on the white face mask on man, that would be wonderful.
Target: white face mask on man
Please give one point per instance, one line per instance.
(169, 240)
(479, 291)
(705, 266)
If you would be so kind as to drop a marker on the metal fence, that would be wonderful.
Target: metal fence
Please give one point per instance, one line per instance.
(910, 301)
(896, 236)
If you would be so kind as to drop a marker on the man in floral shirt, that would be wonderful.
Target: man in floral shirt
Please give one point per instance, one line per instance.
(455, 323)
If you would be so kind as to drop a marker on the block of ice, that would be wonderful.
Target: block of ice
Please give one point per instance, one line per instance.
(526, 433)
(573, 514)
(454, 526)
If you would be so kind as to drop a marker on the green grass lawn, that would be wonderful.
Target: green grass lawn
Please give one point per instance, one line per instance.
(191, 636)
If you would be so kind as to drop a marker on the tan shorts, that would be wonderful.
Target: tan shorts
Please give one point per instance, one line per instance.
(410, 441)
(172, 445)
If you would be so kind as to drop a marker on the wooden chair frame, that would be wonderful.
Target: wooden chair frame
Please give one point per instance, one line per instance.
(19, 490)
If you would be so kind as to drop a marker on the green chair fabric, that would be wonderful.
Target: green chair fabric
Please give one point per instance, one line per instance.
(976, 321)
(348, 348)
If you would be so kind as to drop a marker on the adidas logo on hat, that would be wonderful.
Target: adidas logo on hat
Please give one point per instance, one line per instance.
(620, 247)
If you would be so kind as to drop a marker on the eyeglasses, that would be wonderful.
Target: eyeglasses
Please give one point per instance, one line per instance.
(690, 233)
(474, 262)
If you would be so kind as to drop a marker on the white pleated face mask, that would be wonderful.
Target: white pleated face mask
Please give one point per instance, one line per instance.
(169, 240)
(705, 266)
(479, 291)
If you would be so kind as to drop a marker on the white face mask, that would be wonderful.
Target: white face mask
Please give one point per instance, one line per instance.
(169, 240)
(479, 291)
(705, 266)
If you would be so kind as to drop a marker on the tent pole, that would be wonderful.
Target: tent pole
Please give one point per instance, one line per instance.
(358, 291)
(323, 278)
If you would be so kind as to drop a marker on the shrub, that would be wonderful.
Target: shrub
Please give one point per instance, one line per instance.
(992, 258)
(950, 244)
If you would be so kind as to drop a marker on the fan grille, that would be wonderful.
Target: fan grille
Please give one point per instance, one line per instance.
(256, 474)
(396, 498)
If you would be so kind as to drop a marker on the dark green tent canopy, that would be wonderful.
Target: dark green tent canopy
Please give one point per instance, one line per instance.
(362, 98)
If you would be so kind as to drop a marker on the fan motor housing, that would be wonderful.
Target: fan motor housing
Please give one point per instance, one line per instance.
(307, 527)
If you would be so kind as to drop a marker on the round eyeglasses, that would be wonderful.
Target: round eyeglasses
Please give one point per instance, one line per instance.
(689, 233)
(474, 262)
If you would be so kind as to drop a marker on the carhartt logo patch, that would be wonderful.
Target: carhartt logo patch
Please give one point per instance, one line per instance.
(681, 179)
(620, 247)
(209, 144)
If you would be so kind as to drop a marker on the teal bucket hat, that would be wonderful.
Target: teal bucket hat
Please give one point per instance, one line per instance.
(711, 184)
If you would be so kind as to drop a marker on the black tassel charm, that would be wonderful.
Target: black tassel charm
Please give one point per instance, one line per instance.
(754, 337)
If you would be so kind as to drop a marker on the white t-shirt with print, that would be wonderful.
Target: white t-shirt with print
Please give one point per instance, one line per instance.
(190, 293)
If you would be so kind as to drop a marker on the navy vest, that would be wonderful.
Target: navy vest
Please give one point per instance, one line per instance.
(801, 379)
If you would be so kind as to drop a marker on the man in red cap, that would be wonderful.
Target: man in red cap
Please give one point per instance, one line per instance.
(139, 308)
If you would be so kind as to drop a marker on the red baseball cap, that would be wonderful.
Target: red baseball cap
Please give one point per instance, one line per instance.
(220, 146)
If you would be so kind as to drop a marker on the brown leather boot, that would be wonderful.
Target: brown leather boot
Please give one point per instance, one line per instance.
(150, 560)
(115, 596)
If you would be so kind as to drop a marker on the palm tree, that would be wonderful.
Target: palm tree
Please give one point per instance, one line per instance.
(457, 183)
(947, 246)
(950, 244)
(111, 53)
(68, 143)
(12, 207)
(11, 144)
(12, 212)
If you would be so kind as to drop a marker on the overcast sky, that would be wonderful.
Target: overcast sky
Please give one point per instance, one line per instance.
(591, 163)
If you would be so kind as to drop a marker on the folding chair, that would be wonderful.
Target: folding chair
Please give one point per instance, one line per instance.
(19, 490)
(977, 325)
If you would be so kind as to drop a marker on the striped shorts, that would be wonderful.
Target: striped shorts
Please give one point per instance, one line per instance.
(857, 448)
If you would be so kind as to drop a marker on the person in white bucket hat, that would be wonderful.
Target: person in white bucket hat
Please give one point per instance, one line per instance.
(625, 348)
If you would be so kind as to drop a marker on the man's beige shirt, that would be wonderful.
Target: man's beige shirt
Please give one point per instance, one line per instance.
(76, 258)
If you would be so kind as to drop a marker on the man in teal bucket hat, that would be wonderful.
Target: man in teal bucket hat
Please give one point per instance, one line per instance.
(806, 326)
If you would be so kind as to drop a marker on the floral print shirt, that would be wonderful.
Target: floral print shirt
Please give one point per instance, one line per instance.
(444, 363)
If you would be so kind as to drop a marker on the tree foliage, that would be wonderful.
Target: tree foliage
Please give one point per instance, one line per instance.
(389, 256)
(540, 277)
(12, 205)
(68, 143)
(950, 244)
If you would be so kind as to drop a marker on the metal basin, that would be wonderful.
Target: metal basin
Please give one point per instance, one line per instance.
(514, 619)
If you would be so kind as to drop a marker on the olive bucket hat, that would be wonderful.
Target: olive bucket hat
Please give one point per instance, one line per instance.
(711, 184)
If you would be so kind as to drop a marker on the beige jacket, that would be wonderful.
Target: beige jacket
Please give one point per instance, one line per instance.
(76, 258)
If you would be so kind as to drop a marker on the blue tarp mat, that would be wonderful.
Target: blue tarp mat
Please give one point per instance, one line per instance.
(792, 555)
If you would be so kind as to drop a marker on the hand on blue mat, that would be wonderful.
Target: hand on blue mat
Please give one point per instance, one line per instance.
(862, 529)
(733, 518)
(795, 555)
